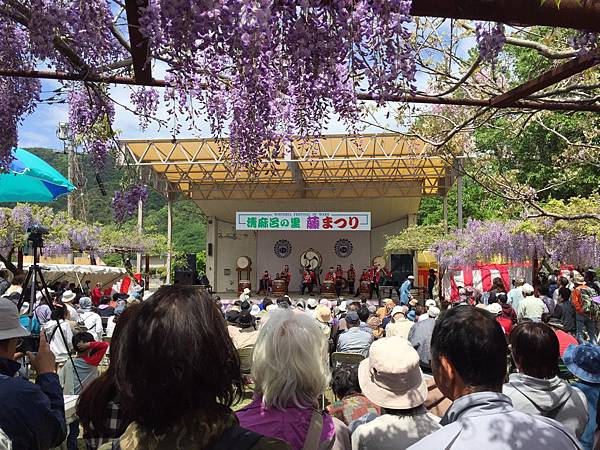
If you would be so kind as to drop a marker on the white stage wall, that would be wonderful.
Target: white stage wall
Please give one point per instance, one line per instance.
(301, 241)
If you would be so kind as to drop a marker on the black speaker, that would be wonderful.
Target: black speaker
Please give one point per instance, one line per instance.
(191, 261)
(184, 277)
(402, 265)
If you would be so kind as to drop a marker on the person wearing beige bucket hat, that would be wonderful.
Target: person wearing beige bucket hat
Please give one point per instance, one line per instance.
(391, 378)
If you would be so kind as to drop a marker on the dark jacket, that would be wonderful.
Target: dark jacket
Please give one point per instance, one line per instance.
(565, 312)
(31, 415)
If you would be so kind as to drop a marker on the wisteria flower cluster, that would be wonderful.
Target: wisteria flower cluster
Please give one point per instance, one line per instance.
(585, 41)
(490, 40)
(125, 203)
(270, 70)
(145, 101)
(483, 241)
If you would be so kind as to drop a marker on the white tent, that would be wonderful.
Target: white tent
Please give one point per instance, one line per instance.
(78, 274)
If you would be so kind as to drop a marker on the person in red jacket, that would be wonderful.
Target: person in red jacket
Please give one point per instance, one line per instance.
(96, 294)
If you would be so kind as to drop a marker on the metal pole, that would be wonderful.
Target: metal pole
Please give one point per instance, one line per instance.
(140, 226)
(70, 197)
(459, 200)
(446, 213)
(169, 236)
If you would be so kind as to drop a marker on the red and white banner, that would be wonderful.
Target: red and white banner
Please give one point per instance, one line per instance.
(481, 276)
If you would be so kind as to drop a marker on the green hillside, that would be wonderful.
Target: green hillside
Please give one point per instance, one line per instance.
(189, 225)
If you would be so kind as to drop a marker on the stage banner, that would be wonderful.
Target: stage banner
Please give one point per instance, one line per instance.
(303, 221)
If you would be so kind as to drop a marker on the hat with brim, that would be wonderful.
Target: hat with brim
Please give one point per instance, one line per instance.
(246, 291)
(323, 314)
(68, 296)
(583, 361)
(430, 303)
(494, 308)
(391, 377)
(578, 279)
(10, 327)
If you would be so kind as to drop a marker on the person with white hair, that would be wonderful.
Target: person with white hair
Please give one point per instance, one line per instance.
(530, 307)
(291, 370)
(400, 325)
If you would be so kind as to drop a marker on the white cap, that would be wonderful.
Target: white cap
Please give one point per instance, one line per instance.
(494, 308)
(433, 312)
(431, 302)
(411, 277)
(399, 310)
(343, 306)
(527, 288)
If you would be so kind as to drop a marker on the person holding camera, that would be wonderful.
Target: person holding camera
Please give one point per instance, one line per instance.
(32, 415)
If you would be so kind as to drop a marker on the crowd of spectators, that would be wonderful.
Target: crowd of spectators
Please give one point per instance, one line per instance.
(502, 371)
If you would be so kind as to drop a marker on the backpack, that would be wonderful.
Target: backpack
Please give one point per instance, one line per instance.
(590, 307)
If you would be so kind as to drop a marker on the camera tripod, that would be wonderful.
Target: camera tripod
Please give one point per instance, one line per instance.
(33, 275)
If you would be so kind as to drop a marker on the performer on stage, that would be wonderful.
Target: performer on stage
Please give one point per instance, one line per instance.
(374, 276)
(339, 280)
(330, 275)
(307, 280)
(286, 275)
(351, 276)
(265, 283)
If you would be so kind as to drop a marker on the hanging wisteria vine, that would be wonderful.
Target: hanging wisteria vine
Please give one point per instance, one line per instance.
(274, 69)
(483, 241)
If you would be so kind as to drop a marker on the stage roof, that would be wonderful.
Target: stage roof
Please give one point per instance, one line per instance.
(328, 167)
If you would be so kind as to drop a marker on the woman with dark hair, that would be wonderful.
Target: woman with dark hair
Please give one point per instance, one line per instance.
(497, 288)
(99, 409)
(536, 389)
(177, 375)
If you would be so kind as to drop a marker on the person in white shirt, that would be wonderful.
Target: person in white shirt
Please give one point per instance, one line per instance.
(91, 320)
(400, 325)
(60, 343)
(530, 307)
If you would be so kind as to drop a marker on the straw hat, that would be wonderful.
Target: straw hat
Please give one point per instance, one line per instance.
(390, 377)
(323, 314)
(68, 296)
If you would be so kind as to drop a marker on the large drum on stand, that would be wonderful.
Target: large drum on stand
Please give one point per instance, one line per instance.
(279, 288)
(243, 284)
(328, 289)
(365, 287)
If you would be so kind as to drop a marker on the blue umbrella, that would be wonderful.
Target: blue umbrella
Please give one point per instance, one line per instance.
(31, 179)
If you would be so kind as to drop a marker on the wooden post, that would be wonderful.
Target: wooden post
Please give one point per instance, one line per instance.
(445, 213)
(147, 272)
(169, 236)
(459, 200)
(140, 227)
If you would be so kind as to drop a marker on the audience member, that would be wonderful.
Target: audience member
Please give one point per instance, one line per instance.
(290, 369)
(530, 307)
(564, 310)
(99, 409)
(80, 371)
(31, 415)
(112, 321)
(91, 321)
(469, 351)
(536, 389)
(59, 335)
(420, 338)
(104, 309)
(351, 404)
(564, 339)
(515, 295)
(354, 340)
(311, 306)
(584, 320)
(245, 336)
(323, 316)
(391, 378)
(68, 298)
(4, 282)
(179, 394)
(14, 291)
(363, 315)
(400, 325)
(583, 361)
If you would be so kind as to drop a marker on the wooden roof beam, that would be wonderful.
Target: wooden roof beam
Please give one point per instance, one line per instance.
(578, 14)
(140, 48)
(546, 79)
